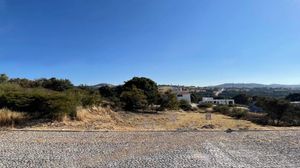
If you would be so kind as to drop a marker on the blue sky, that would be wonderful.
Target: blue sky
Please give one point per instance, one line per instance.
(190, 42)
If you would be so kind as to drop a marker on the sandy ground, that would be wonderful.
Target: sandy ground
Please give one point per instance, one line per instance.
(150, 149)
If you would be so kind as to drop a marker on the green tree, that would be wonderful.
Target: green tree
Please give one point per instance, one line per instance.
(56, 84)
(148, 86)
(196, 97)
(242, 99)
(3, 78)
(25, 83)
(185, 105)
(107, 91)
(293, 97)
(91, 99)
(134, 99)
(292, 116)
(169, 101)
(39, 102)
(276, 109)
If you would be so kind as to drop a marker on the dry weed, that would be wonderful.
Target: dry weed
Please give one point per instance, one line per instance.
(8, 117)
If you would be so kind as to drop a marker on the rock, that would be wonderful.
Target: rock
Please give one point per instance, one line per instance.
(229, 130)
(209, 126)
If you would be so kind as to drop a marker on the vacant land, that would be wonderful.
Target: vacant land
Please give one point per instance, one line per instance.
(107, 120)
(150, 149)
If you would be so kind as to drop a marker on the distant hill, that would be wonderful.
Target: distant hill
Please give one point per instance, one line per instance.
(225, 85)
(256, 85)
(102, 84)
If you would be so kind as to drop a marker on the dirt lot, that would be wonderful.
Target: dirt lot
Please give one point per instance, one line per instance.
(150, 149)
(107, 120)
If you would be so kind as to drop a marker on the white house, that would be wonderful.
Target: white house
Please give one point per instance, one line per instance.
(211, 100)
(184, 96)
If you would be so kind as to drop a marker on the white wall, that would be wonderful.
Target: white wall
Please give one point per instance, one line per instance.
(217, 101)
(186, 97)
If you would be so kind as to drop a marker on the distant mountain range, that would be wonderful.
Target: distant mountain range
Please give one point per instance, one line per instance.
(225, 85)
(256, 85)
(102, 84)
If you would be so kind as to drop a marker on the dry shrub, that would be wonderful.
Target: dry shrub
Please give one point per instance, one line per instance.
(8, 117)
(103, 114)
(65, 119)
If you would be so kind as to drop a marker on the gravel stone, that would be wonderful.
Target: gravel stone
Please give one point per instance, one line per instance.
(150, 149)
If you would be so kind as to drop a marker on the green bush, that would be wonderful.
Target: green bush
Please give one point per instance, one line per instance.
(292, 116)
(242, 99)
(277, 109)
(238, 113)
(168, 101)
(39, 102)
(293, 97)
(231, 111)
(134, 99)
(222, 109)
(205, 105)
(184, 105)
(59, 105)
(146, 85)
(258, 118)
(90, 99)
(85, 97)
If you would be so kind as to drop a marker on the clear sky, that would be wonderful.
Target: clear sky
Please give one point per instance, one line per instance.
(191, 42)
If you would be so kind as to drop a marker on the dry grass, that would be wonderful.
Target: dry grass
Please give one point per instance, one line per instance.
(97, 114)
(174, 120)
(99, 118)
(91, 118)
(9, 118)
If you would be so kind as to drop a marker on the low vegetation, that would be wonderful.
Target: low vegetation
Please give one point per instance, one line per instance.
(168, 100)
(184, 105)
(58, 99)
(277, 112)
(10, 118)
(54, 99)
(205, 105)
(238, 113)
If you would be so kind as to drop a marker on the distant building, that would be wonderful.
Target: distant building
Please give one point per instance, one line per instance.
(297, 103)
(211, 100)
(184, 96)
(180, 92)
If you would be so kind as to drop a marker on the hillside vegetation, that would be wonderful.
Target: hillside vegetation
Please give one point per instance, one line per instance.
(58, 100)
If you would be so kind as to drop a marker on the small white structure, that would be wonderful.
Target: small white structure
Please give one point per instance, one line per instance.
(211, 100)
(296, 103)
(184, 96)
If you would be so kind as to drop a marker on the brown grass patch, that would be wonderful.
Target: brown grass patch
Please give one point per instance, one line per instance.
(8, 117)
(90, 118)
(100, 118)
(174, 120)
(97, 114)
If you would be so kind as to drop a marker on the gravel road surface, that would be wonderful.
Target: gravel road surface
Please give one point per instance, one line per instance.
(150, 149)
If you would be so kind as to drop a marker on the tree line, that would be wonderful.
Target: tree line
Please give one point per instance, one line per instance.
(141, 94)
(276, 111)
(55, 98)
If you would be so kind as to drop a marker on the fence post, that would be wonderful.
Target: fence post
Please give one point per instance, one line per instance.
(12, 123)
